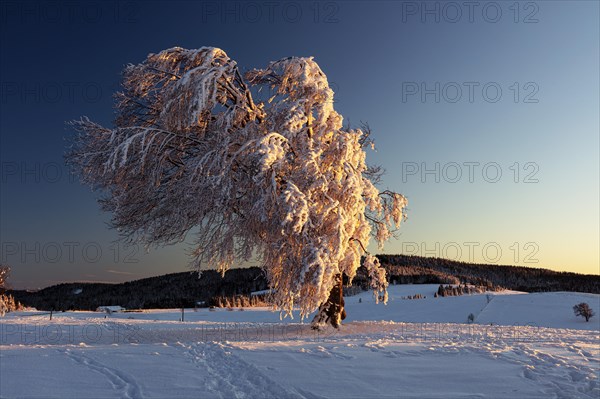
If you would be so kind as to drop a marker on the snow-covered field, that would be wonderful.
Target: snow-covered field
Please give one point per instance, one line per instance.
(519, 346)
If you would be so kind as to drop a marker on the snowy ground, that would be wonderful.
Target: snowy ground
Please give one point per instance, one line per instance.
(520, 346)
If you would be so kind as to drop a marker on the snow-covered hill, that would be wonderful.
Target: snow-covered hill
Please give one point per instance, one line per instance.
(520, 346)
(508, 308)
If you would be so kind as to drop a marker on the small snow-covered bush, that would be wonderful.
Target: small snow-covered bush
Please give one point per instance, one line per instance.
(8, 304)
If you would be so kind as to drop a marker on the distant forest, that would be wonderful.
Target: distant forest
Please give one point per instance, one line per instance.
(168, 291)
(405, 269)
(186, 289)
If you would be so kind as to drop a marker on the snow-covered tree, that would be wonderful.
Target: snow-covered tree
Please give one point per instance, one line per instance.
(7, 302)
(258, 165)
(4, 272)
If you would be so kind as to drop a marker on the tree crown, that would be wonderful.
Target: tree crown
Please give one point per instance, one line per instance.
(279, 179)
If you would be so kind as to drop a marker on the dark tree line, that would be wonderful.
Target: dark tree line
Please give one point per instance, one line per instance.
(417, 269)
(168, 291)
(457, 290)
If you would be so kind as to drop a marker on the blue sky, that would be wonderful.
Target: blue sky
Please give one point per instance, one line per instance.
(485, 116)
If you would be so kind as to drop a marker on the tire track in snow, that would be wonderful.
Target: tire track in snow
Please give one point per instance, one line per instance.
(232, 377)
(122, 382)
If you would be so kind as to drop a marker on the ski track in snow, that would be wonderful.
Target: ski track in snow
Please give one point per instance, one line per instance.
(563, 363)
(232, 377)
(122, 382)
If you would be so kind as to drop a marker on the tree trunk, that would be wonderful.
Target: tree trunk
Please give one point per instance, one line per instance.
(332, 311)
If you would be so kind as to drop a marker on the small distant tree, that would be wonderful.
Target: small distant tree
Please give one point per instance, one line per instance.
(584, 310)
(471, 318)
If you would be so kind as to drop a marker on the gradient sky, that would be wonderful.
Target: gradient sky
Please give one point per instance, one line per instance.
(424, 75)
